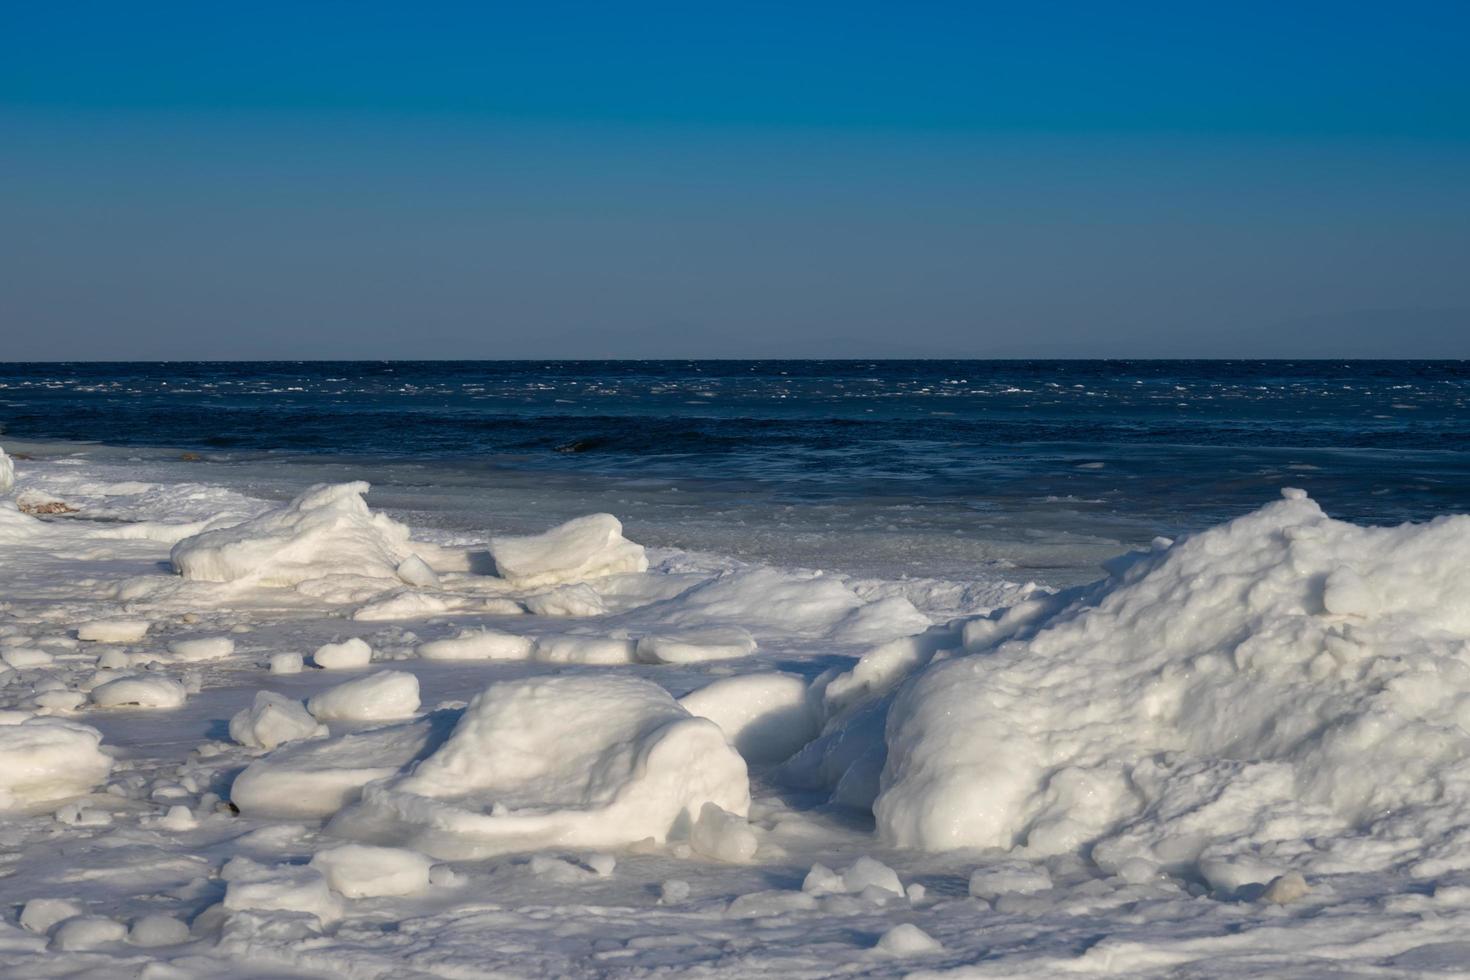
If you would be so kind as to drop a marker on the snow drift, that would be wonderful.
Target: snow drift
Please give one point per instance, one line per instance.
(326, 531)
(1285, 689)
(572, 761)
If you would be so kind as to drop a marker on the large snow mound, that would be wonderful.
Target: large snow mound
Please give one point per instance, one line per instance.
(582, 548)
(328, 530)
(1283, 688)
(44, 759)
(572, 761)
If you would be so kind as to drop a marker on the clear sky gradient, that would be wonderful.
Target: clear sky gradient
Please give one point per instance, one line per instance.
(369, 180)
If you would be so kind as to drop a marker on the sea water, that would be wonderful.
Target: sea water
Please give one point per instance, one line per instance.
(1018, 469)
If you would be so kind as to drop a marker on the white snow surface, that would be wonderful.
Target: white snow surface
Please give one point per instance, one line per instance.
(1238, 755)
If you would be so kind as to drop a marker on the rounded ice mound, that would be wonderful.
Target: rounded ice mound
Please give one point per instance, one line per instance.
(582, 548)
(147, 691)
(571, 761)
(1283, 683)
(328, 530)
(43, 759)
(383, 696)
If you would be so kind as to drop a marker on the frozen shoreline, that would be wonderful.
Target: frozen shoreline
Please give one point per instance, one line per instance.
(604, 763)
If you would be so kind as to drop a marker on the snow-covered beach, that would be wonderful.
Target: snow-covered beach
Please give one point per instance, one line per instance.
(250, 737)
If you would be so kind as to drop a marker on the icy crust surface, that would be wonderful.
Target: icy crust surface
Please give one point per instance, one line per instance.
(565, 761)
(1283, 690)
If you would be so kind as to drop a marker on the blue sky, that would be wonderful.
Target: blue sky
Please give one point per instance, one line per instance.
(557, 179)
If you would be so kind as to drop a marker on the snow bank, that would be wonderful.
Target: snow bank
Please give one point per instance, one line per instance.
(43, 759)
(571, 761)
(583, 548)
(1284, 684)
(386, 695)
(326, 531)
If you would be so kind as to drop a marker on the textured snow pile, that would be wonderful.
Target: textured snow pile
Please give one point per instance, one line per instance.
(272, 719)
(1282, 690)
(582, 548)
(572, 761)
(326, 531)
(44, 759)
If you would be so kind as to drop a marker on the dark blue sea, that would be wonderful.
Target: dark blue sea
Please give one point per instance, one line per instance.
(1109, 450)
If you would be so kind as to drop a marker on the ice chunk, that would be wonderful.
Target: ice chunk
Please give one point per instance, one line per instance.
(348, 655)
(415, 571)
(583, 548)
(723, 836)
(114, 630)
(576, 648)
(146, 691)
(1009, 878)
(364, 871)
(283, 888)
(87, 932)
(574, 761)
(908, 940)
(271, 720)
(326, 531)
(382, 696)
(1286, 888)
(157, 929)
(7, 472)
(764, 715)
(315, 779)
(696, 646)
(202, 648)
(46, 759)
(482, 644)
(286, 663)
(566, 601)
(868, 872)
(25, 658)
(40, 914)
